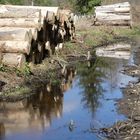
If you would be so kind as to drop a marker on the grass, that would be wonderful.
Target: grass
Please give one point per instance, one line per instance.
(97, 36)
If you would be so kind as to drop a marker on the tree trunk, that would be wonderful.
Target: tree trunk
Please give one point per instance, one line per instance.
(15, 47)
(13, 59)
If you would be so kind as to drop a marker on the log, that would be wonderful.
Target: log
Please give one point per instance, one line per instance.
(43, 9)
(15, 34)
(15, 47)
(116, 14)
(50, 17)
(21, 22)
(34, 33)
(47, 45)
(22, 12)
(113, 17)
(13, 59)
(112, 10)
(117, 5)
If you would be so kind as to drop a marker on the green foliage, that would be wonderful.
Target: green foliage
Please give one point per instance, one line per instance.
(24, 72)
(2, 68)
(87, 6)
(69, 45)
(12, 2)
(43, 2)
(27, 2)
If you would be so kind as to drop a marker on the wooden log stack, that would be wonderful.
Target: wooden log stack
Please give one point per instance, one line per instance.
(30, 33)
(115, 14)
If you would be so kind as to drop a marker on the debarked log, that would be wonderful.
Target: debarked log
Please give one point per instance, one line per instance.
(50, 17)
(21, 22)
(113, 16)
(114, 10)
(16, 34)
(117, 5)
(15, 47)
(13, 59)
(16, 12)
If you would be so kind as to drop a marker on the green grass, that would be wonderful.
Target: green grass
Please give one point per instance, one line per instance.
(101, 35)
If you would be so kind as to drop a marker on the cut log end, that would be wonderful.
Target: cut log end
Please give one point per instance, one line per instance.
(14, 60)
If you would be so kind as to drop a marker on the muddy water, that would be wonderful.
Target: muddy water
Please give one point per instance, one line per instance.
(85, 100)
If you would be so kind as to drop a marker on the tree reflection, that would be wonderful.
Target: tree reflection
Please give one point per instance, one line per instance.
(90, 78)
(46, 105)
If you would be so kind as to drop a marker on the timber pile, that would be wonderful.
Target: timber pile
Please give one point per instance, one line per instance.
(115, 14)
(31, 33)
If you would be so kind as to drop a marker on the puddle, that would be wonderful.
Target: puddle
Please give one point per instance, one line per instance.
(85, 100)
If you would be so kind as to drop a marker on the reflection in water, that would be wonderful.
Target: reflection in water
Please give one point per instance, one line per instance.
(37, 111)
(2, 130)
(96, 81)
(90, 78)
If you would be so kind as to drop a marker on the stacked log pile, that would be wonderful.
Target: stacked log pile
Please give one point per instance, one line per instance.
(30, 33)
(115, 14)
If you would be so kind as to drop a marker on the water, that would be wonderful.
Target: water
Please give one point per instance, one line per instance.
(87, 98)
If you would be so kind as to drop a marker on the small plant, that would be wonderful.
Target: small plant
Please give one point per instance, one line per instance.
(26, 71)
(2, 68)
